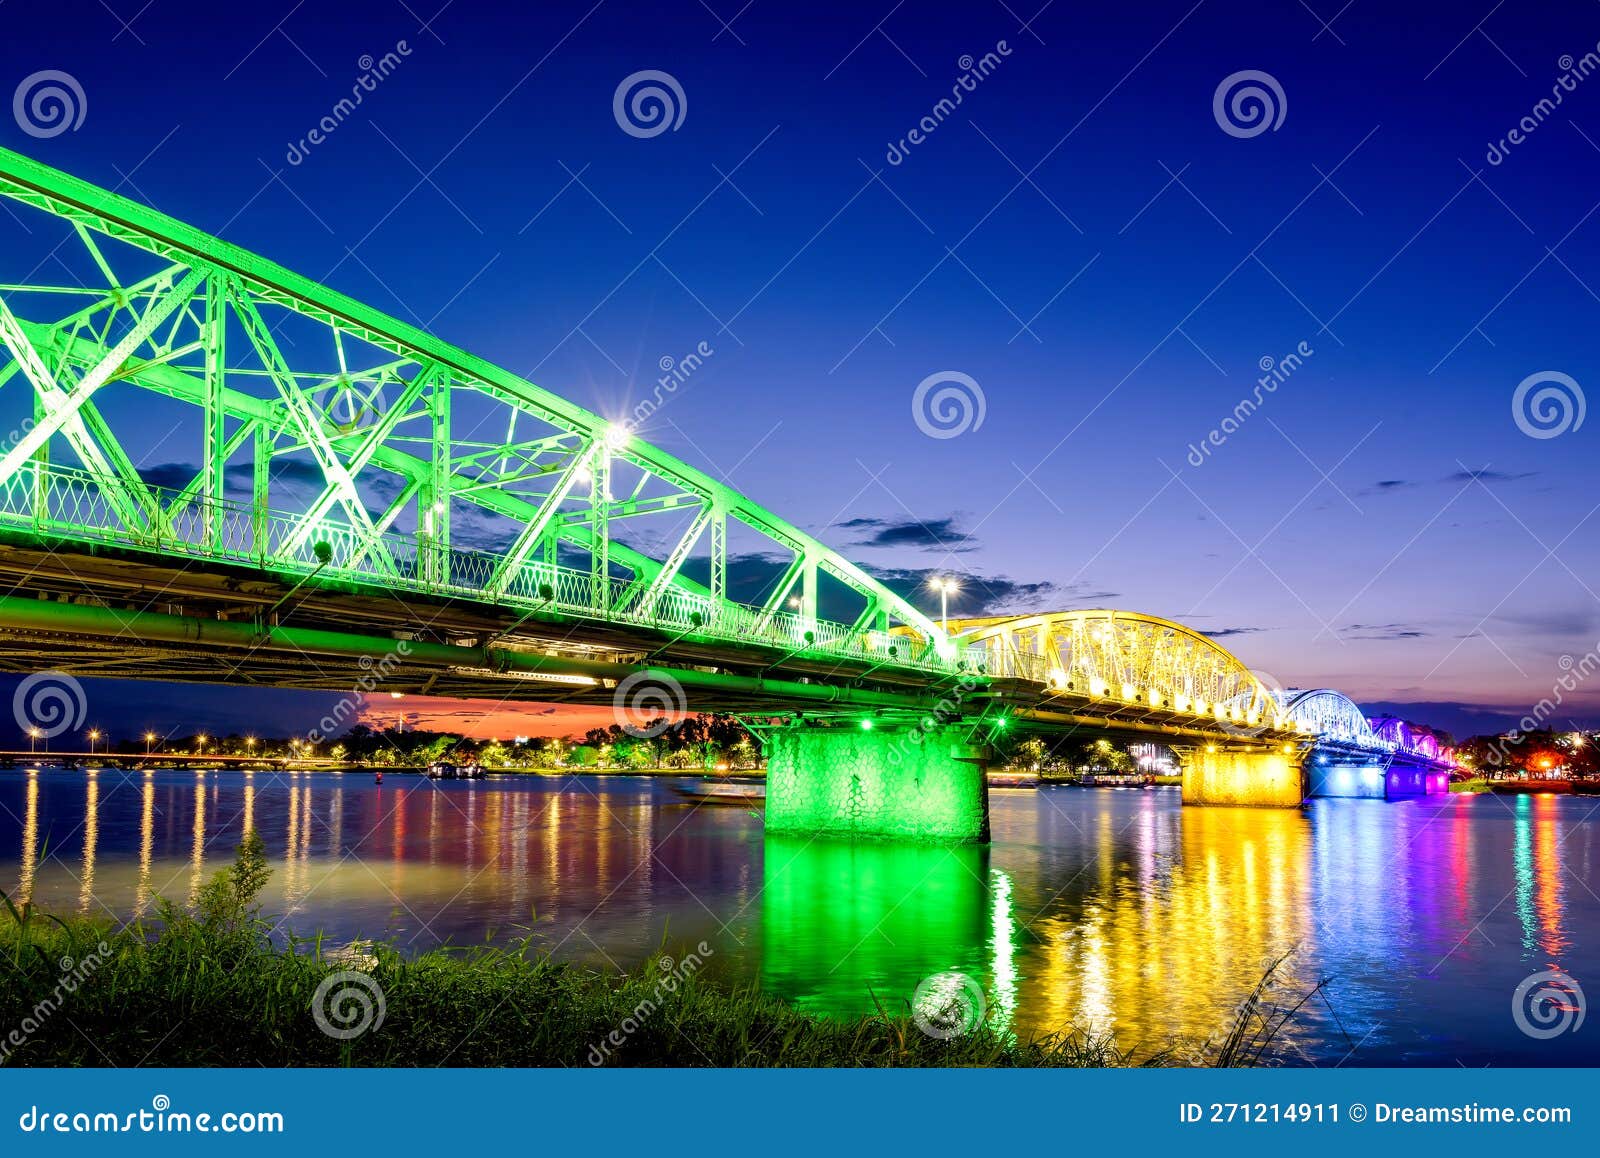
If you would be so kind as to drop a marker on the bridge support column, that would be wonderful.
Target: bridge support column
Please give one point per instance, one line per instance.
(1367, 781)
(1408, 780)
(1273, 778)
(857, 782)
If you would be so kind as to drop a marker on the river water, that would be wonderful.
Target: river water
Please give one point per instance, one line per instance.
(1114, 910)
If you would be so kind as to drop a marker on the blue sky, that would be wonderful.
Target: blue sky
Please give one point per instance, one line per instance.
(1081, 237)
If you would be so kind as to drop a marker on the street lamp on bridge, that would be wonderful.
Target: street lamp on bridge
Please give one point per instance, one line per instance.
(149, 739)
(94, 737)
(945, 588)
(33, 739)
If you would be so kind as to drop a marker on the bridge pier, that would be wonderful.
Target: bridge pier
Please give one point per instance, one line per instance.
(1271, 777)
(1366, 781)
(851, 781)
(1374, 781)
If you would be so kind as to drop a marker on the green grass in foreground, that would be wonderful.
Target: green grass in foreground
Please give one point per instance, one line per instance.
(206, 987)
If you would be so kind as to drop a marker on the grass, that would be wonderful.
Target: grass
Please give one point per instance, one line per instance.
(207, 986)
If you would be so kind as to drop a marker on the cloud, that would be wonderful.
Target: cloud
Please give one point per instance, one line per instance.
(1566, 623)
(981, 595)
(1385, 486)
(1224, 632)
(172, 476)
(1381, 631)
(927, 535)
(1486, 476)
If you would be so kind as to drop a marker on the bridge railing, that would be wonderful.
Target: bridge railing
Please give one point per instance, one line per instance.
(65, 502)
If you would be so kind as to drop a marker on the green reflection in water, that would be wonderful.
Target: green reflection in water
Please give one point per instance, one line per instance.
(847, 922)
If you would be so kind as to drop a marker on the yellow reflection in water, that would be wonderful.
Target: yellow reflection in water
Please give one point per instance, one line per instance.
(91, 838)
(197, 852)
(1148, 948)
(30, 839)
(147, 841)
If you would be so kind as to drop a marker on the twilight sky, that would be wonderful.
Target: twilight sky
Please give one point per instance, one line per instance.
(1082, 237)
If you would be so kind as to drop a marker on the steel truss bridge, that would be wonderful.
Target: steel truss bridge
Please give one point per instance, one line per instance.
(370, 507)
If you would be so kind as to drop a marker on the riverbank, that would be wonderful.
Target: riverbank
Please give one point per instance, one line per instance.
(185, 992)
(218, 984)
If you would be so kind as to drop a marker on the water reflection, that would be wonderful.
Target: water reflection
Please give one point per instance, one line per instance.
(1119, 911)
(845, 923)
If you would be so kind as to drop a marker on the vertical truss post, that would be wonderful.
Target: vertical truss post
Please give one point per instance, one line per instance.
(435, 521)
(719, 562)
(215, 462)
(260, 532)
(41, 469)
(808, 594)
(600, 508)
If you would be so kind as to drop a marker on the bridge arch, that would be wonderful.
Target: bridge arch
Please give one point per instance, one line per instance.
(1406, 737)
(1330, 715)
(1126, 656)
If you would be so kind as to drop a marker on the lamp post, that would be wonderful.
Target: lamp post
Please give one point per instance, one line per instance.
(945, 588)
(94, 736)
(149, 739)
(33, 739)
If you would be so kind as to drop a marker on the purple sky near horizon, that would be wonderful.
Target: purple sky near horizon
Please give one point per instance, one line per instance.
(1082, 237)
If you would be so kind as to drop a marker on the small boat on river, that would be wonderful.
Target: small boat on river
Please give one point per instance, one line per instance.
(721, 791)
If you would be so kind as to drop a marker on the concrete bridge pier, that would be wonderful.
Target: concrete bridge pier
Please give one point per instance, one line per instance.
(1376, 781)
(1365, 781)
(1260, 775)
(877, 781)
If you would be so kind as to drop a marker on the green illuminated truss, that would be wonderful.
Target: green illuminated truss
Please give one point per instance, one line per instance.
(334, 439)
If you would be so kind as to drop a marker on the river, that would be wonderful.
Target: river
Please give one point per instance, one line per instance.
(1115, 910)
